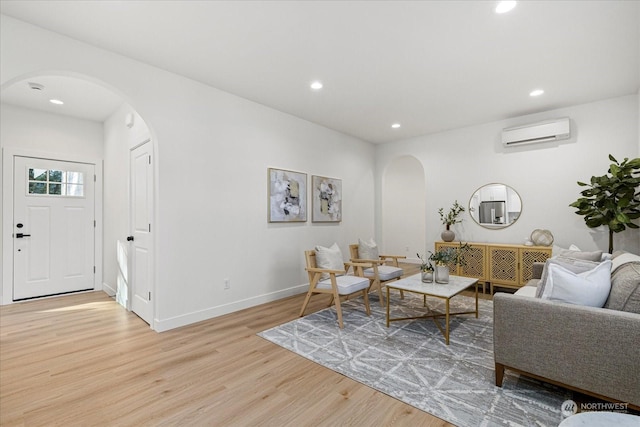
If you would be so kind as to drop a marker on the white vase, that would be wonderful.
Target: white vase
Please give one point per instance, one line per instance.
(447, 236)
(442, 274)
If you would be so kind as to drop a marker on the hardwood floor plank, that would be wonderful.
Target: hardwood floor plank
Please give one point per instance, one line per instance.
(84, 360)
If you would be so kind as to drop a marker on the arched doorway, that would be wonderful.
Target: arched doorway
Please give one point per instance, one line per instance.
(94, 126)
(404, 207)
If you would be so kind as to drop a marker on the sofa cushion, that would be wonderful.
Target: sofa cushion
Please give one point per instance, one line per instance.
(526, 291)
(625, 288)
(590, 288)
(571, 264)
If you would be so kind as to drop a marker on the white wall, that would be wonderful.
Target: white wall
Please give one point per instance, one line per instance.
(403, 208)
(213, 150)
(44, 132)
(118, 140)
(39, 133)
(459, 161)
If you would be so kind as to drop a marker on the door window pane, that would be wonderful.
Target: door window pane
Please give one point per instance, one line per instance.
(55, 176)
(56, 182)
(37, 188)
(55, 189)
(75, 190)
(37, 174)
(74, 178)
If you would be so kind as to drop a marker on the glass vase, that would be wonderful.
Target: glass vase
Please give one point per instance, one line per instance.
(427, 276)
(442, 274)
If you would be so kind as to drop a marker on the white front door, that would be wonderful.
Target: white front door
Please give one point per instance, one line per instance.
(141, 238)
(53, 227)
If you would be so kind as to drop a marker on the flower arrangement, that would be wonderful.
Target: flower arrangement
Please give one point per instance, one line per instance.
(451, 217)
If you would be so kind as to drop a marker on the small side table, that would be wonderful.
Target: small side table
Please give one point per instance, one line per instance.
(601, 419)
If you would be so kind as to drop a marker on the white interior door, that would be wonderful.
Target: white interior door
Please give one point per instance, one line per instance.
(141, 238)
(53, 227)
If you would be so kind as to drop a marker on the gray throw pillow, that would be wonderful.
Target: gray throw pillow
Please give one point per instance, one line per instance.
(625, 288)
(588, 256)
(572, 264)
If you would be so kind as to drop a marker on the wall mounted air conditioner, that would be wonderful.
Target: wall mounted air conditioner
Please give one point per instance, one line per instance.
(549, 130)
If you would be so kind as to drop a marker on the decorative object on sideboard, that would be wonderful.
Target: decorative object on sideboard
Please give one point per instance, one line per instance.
(450, 218)
(541, 237)
(611, 199)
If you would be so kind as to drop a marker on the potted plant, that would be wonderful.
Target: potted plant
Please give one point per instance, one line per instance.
(611, 199)
(450, 218)
(426, 269)
(445, 257)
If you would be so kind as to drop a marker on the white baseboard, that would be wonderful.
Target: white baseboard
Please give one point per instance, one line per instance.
(162, 325)
(109, 290)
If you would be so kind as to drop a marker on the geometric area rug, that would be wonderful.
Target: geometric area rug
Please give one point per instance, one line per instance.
(410, 361)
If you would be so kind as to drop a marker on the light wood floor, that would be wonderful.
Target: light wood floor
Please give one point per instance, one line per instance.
(84, 360)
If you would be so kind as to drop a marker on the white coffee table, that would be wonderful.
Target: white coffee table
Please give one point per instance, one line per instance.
(445, 291)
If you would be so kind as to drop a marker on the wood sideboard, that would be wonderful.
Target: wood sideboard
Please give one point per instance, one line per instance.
(503, 265)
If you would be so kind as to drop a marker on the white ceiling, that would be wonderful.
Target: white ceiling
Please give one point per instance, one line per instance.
(431, 65)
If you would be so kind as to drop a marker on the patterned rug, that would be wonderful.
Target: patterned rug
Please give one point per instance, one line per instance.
(410, 362)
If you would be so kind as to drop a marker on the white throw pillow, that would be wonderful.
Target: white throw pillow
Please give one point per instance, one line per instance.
(330, 258)
(590, 288)
(367, 249)
(572, 264)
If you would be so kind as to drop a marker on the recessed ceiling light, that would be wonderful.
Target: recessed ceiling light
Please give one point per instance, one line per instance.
(316, 85)
(505, 6)
(536, 92)
(395, 125)
(56, 101)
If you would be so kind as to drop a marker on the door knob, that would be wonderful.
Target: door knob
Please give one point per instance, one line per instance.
(20, 235)
(129, 238)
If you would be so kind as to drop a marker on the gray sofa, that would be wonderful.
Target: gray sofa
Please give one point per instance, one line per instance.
(595, 351)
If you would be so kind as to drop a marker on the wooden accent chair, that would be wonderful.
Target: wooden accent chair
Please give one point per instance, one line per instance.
(338, 284)
(379, 273)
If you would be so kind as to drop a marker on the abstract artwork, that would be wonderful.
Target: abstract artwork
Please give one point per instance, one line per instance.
(287, 196)
(326, 199)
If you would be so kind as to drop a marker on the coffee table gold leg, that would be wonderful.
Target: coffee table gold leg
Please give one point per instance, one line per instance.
(446, 330)
(387, 306)
(477, 298)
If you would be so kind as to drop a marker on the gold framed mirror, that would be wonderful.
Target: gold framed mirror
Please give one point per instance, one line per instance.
(495, 206)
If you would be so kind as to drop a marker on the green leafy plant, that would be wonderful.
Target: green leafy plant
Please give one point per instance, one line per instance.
(452, 216)
(450, 255)
(612, 199)
(425, 264)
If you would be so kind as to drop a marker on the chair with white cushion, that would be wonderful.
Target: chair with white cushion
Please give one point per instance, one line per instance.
(328, 275)
(380, 272)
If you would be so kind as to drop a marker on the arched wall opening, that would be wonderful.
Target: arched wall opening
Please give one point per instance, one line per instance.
(404, 207)
(96, 125)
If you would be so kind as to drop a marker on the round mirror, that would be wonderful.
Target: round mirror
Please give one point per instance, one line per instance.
(495, 206)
